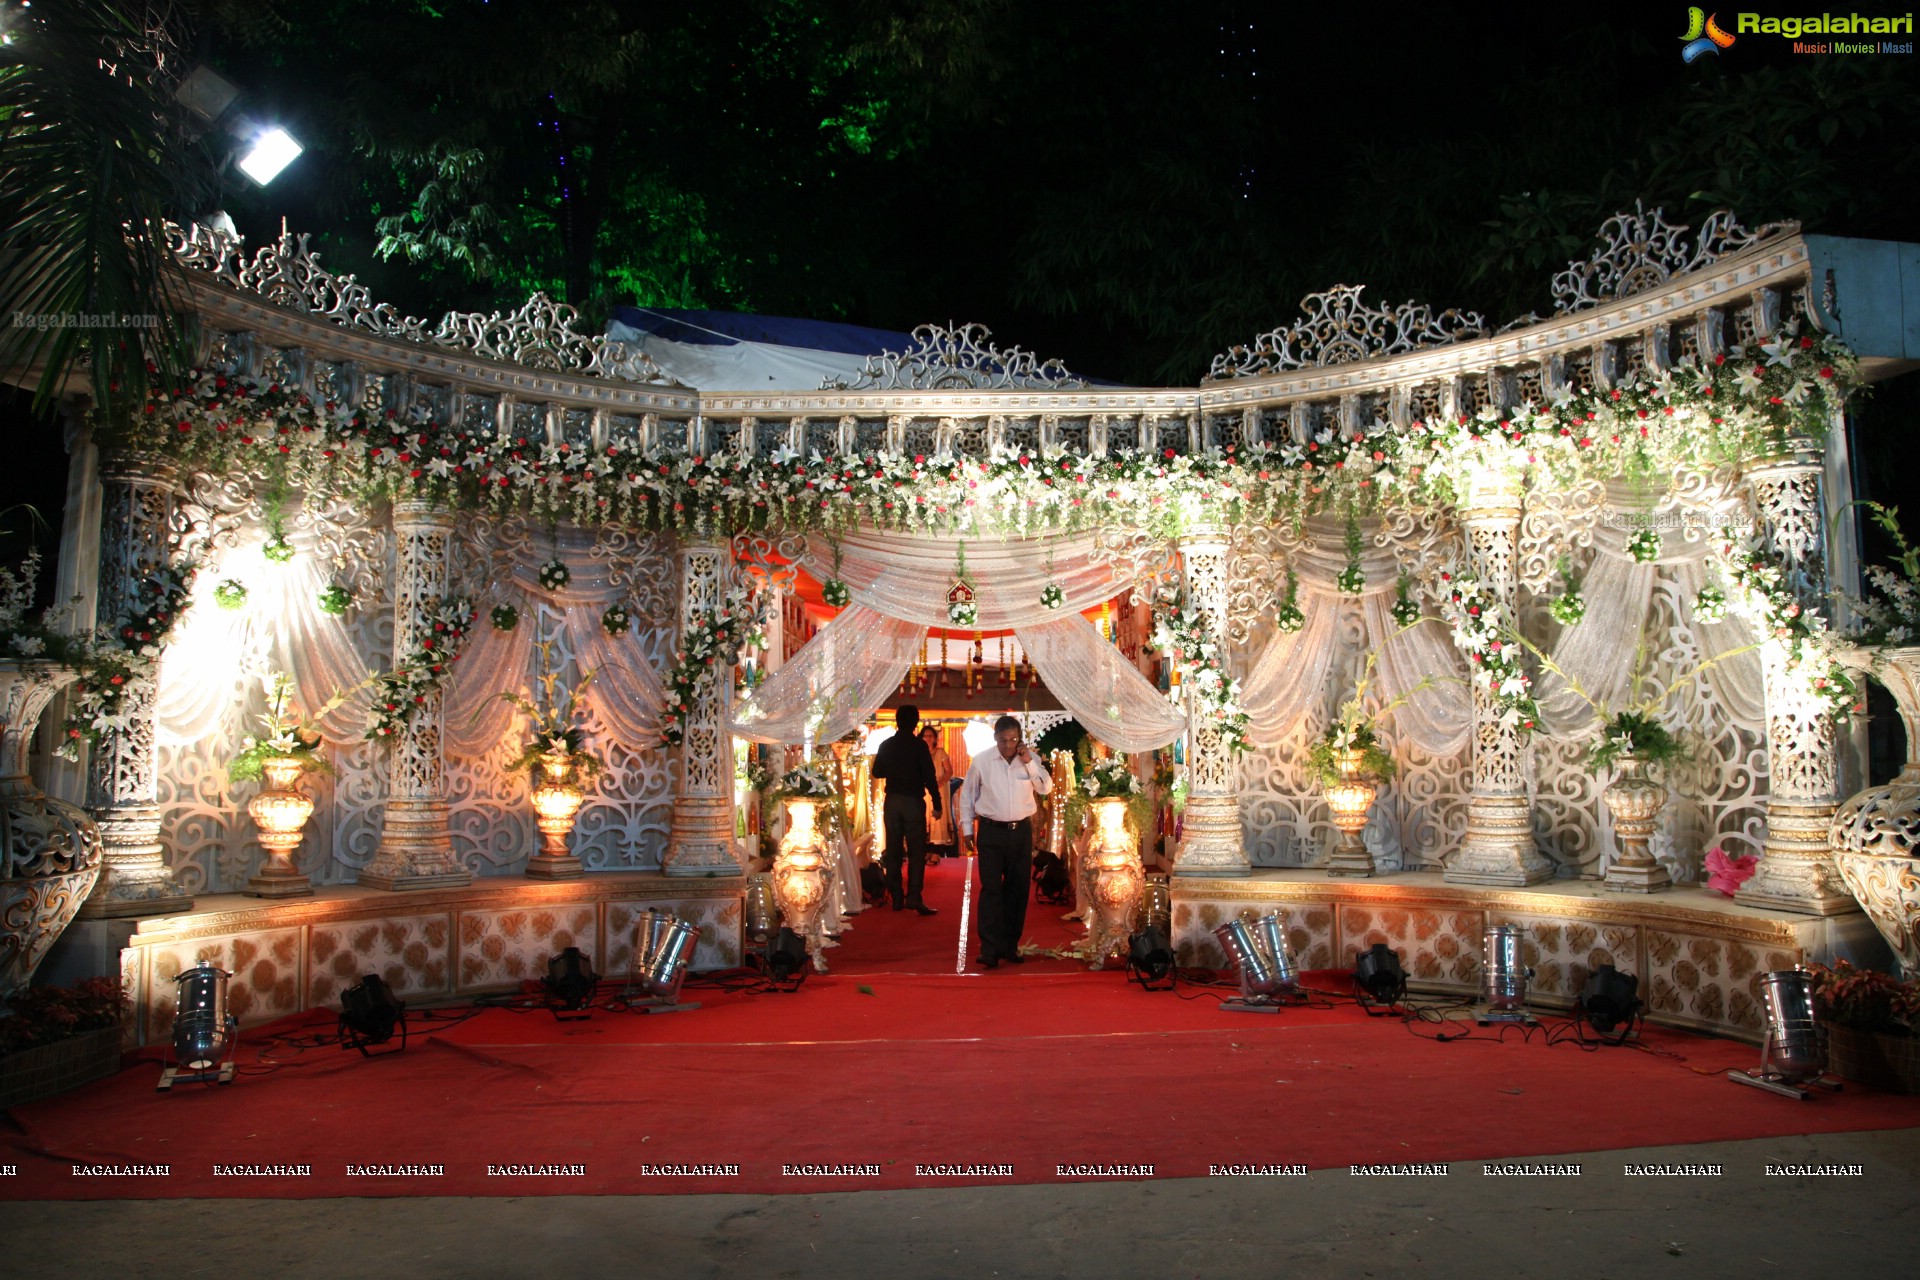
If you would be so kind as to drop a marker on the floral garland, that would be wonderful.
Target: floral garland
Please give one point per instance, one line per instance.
(230, 594)
(1405, 610)
(335, 599)
(1744, 403)
(1570, 606)
(1353, 579)
(504, 617)
(1288, 617)
(400, 693)
(1483, 631)
(712, 644)
(1182, 633)
(124, 652)
(1813, 650)
(616, 621)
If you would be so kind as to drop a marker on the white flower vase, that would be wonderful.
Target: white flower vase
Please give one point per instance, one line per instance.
(803, 876)
(49, 849)
(1114, 880)
(1874, 833)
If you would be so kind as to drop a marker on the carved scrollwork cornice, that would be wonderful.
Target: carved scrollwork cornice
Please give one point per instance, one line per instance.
(957, 357)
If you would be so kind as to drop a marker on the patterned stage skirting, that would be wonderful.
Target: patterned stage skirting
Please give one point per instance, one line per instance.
(1698, 955)
(430, 945)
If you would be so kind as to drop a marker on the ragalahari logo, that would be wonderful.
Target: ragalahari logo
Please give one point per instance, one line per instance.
(1703, 35)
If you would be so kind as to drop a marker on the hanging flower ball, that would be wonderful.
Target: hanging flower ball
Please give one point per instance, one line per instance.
(335, 600)
(1710, 605)
(616, 621)
(1405, 612)
(1352, 580)
(1289, 618)
(1051, 596)
(230, 594)
(962, 613)
(836, 593)
(1568, 608)
(277, 549)
(1644, 546)
(505, 617)
(554, 575)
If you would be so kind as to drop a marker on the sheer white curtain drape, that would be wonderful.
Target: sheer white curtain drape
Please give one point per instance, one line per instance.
(1290, 675)
(283, 628)
(899, 584)
(1597, 653)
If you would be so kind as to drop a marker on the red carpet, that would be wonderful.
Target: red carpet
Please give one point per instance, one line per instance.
(882, 1066)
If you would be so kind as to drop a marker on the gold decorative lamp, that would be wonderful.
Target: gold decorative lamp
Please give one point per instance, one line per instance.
(280, 813)
(1350, 799)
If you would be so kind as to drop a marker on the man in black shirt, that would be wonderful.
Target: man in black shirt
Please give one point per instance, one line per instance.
(906, 764)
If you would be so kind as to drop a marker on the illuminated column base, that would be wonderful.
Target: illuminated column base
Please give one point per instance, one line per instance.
(1499, 847)
(1210, 843)
(700, 841)
(415, 849)
(1796, 871)
(134, 877)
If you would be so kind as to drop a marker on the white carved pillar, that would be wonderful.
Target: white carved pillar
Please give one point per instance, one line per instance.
(700, 841)
(1498, 848)
(1210, 840)
(416, 851)
(1796, 871)
(138, 525)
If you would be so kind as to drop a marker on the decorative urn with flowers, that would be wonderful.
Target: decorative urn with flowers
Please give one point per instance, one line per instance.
(289, 750)
(560, 766)
(803, 870)
(1634, 744)
(1112, 878)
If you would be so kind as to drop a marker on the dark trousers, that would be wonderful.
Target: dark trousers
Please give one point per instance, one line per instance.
(905, 818)
(1006, 870)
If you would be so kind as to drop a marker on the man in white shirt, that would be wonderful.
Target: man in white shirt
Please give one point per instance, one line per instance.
(1000, 796)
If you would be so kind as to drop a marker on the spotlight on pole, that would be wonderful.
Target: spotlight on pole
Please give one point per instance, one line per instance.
(1610, 1003)
(1259, 950)
(370, 1013)
(570, 984)
(203, 1030)
(1378, 979)
(1795, 1052)
(270, 150)
(1504, 976)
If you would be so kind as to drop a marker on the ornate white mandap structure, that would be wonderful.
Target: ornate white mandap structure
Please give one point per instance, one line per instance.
(1458, 553)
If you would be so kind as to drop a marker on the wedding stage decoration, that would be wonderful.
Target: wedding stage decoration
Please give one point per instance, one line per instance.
(1254, 538)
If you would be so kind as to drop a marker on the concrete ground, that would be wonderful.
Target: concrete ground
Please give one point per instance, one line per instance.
(1329, 1224)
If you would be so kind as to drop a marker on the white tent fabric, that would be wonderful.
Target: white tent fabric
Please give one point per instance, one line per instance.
(899, 587)
(740, 364)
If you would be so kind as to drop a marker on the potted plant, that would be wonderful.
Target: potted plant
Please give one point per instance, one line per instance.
(560, 766)
(1870, 1019)
(55, 1038)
